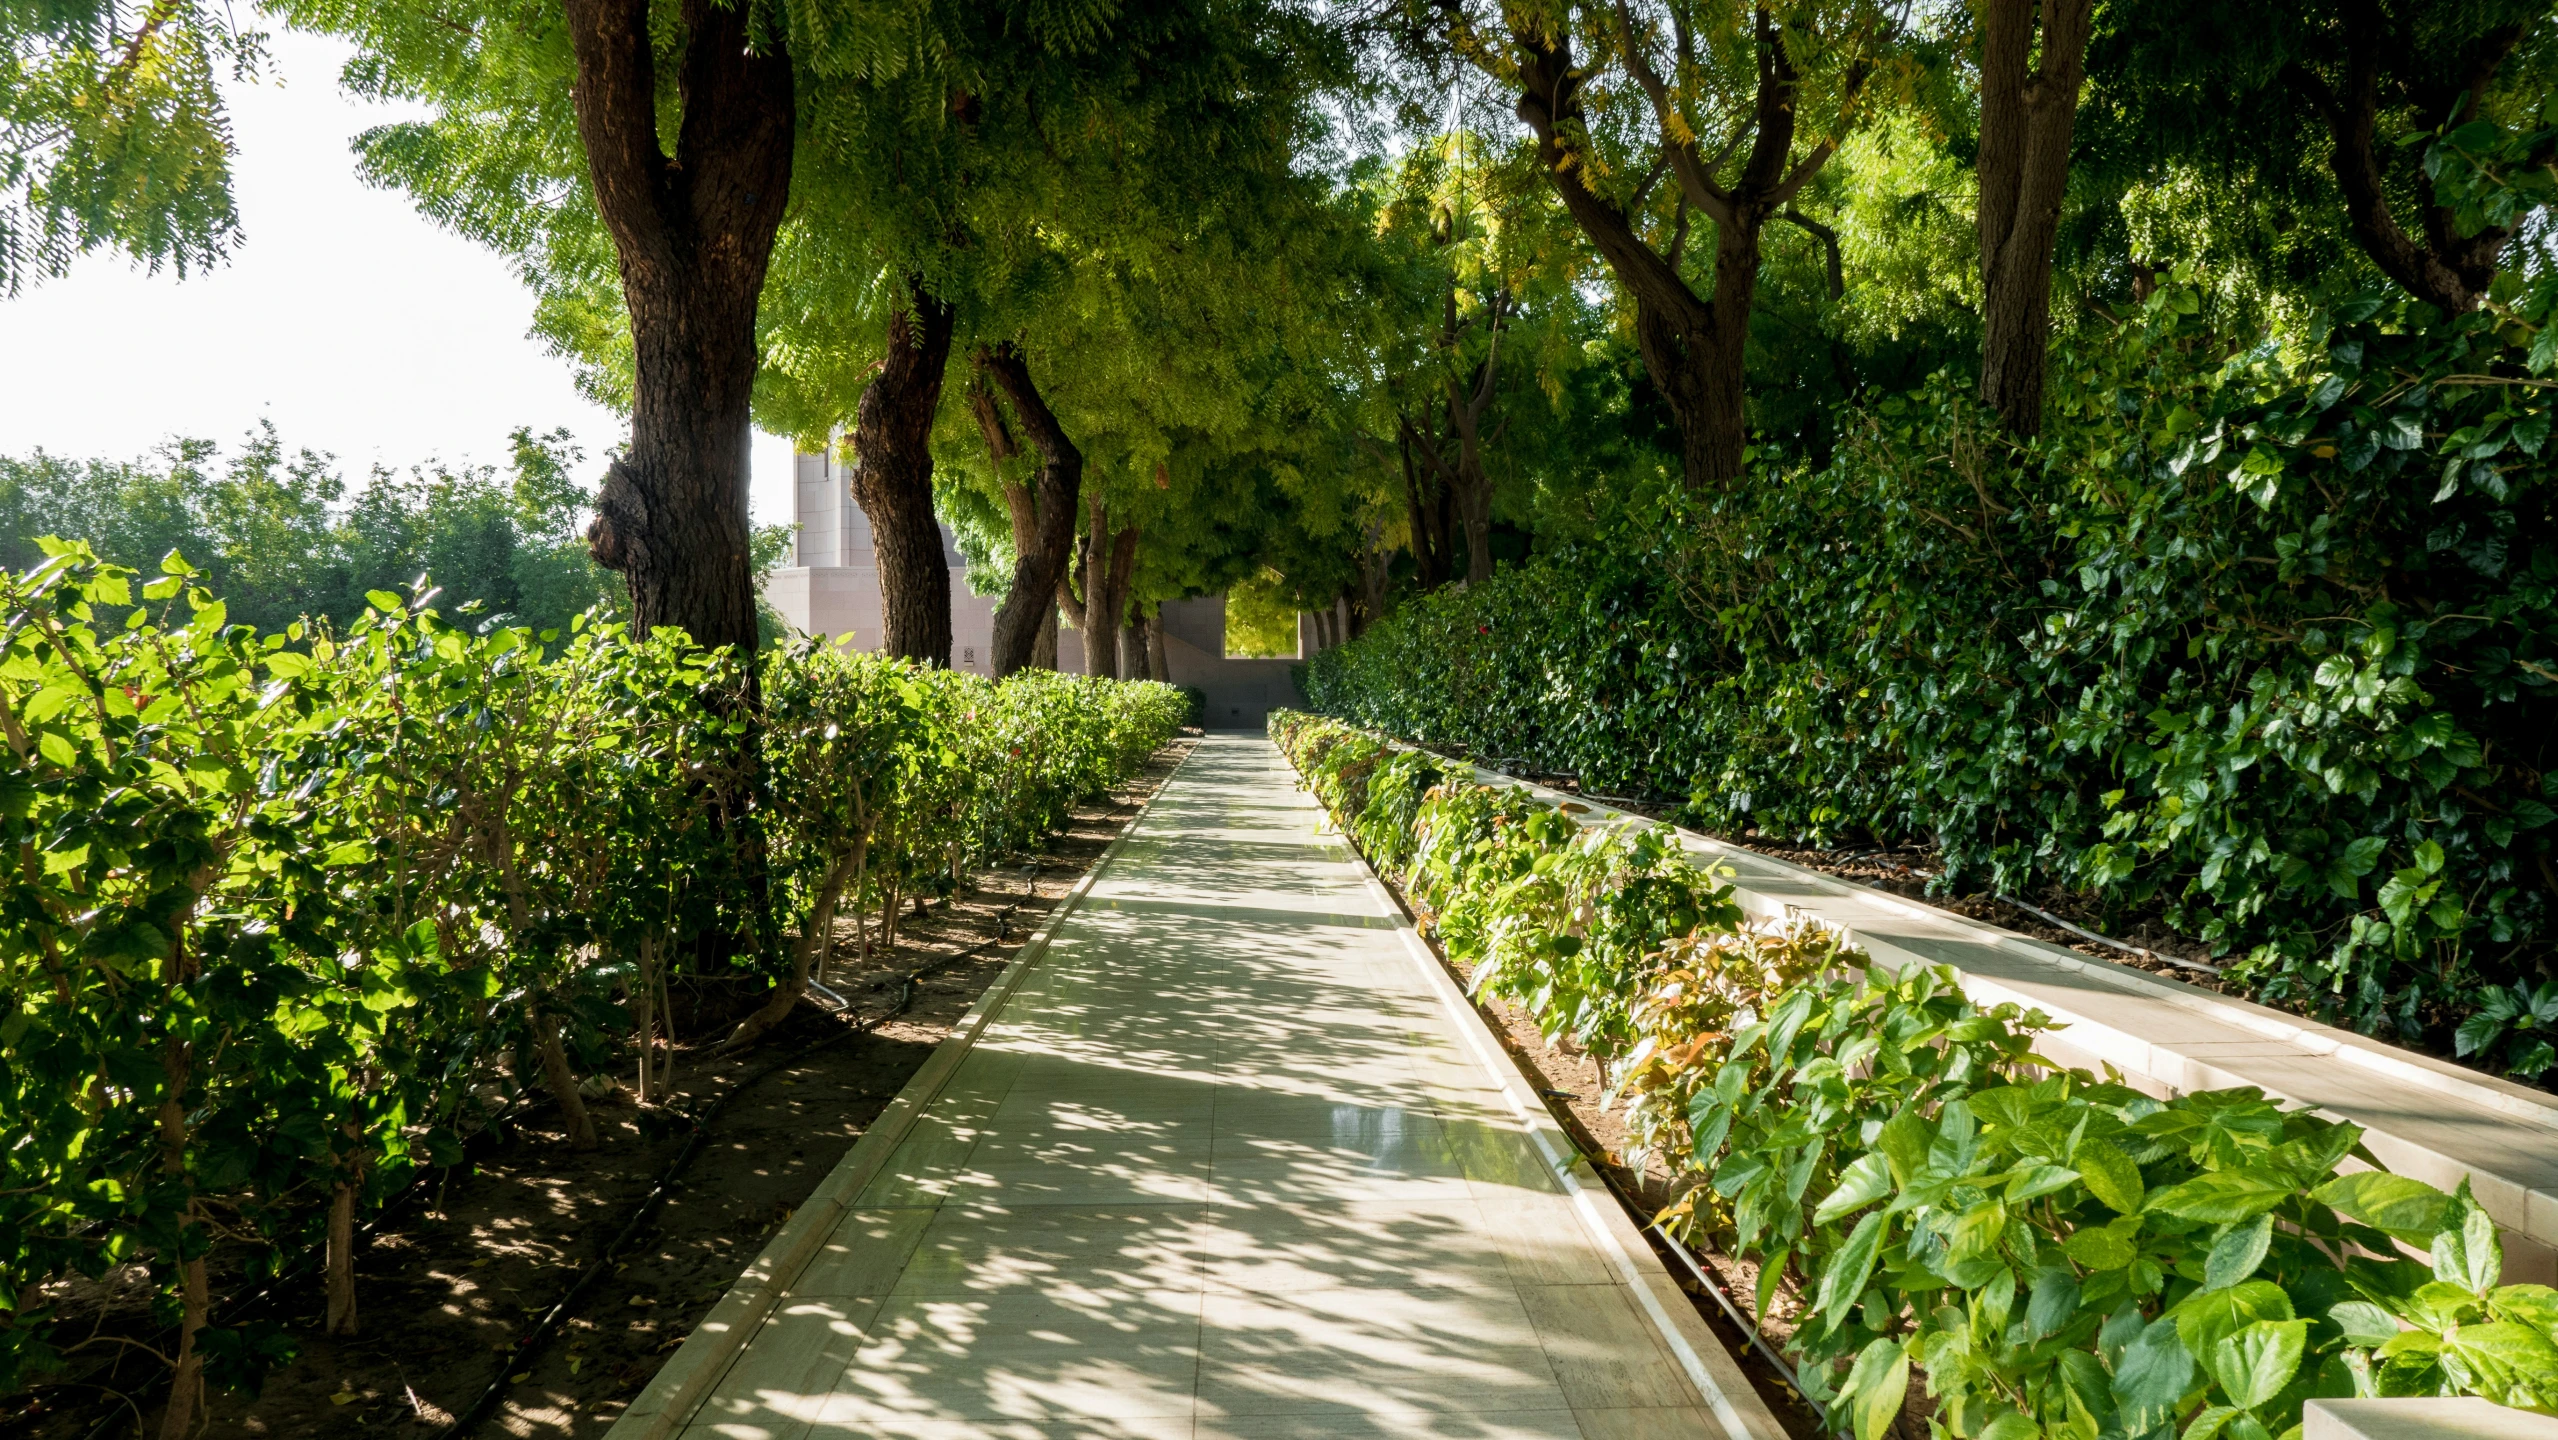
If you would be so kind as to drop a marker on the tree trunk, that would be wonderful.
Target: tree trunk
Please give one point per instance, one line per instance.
(2445, 269)
(1428, 561)
(1043, 524)
(1110, 559)
(816, 934)
(1043, 655)
(893, 477)
(560, 1080)
(1158, 655)
(1132, 646)
(693, 233)
(340, 1316)
(186, 1379)
(2026, 117)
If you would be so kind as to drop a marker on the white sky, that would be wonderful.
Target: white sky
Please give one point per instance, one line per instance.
(357, 325)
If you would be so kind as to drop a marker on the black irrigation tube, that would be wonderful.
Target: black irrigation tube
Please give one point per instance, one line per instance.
(247, 1306)
(524, 1348)
(534, 1340)
(2049, 918)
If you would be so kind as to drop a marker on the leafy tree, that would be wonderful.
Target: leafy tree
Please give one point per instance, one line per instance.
(2285, 129)
(637, 162)
(1739, 111)
(113, 133)
(277, 536)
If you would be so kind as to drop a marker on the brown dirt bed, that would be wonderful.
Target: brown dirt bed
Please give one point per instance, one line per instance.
(448, 1287)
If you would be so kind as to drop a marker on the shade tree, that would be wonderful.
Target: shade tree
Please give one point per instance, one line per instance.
(114, 134)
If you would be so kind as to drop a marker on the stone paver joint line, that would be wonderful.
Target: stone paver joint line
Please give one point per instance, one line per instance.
(1230, 1156)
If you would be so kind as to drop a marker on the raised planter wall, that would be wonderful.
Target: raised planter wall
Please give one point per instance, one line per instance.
(2424, 1118)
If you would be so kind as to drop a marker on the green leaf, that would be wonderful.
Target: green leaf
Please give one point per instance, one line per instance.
(2052, 1302)
(2253, 1364)
(2207, 1316)
(2532, 1305)
(2238, 1252)
(1904, 1142)
(1863, 1183)
(2363, 1322)
(2220, 1196)
(2151, 1379)
(2409, 1210)
(2039, 1180)
(2508, 1363)
(2208, 1424)
(2466, 1252)
(1876, 1384)
(2099, 1247)
(2110, 1174)
(2362, 856)
(1843, 1278)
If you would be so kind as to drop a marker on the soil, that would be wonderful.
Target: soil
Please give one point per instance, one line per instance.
(450, 1290)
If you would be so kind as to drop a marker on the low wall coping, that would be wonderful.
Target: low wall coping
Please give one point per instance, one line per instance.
(2423, 1117)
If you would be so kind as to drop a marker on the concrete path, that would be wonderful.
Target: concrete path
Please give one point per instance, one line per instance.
(1228, 1163)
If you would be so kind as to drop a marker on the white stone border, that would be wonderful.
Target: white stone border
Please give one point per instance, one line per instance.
(2423, 1117)
(684, 1382)
(1709, 1365)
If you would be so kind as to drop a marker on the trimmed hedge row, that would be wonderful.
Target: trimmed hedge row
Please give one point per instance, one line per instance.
(2048, 1254)
(286, 915)
(2267, 642)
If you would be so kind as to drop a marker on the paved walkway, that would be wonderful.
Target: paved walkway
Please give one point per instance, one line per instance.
(1226, 1164)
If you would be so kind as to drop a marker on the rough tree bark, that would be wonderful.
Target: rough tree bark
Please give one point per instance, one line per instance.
(1692, 346)
(893, 477)
(1110, 559)
(693, 232)
(195, 1300)
(1425, 507)
(1158, 657)
(1043, 522)
(1466, 398)
(2445, 268)
(2029, 104)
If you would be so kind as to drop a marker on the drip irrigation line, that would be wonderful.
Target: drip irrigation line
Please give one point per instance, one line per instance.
(232, 1312)
(2049, 918)
(533, 1341)
(1758, 1341)
(526, 1347)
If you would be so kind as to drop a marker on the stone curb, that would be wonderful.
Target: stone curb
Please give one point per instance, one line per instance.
(1699, 1353)
(681, 1385)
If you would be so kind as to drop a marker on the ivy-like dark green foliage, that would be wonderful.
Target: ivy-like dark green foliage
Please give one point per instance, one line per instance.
(2265, 641)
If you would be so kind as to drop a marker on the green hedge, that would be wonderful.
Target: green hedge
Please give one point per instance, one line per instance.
(288, 913)
(2050, 1256)
(2266, 641)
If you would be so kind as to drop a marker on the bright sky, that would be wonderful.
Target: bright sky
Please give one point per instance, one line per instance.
(358, 326)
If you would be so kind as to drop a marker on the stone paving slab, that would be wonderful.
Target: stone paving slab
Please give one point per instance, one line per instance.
(1232, 1160)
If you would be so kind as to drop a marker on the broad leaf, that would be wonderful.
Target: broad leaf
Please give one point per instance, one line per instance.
(2237, 1253)
(2152, 1377)
(1863, 1183)
(2110, 1174)
(2220, 1196)
(2407, 1209)
(2255, 1363)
